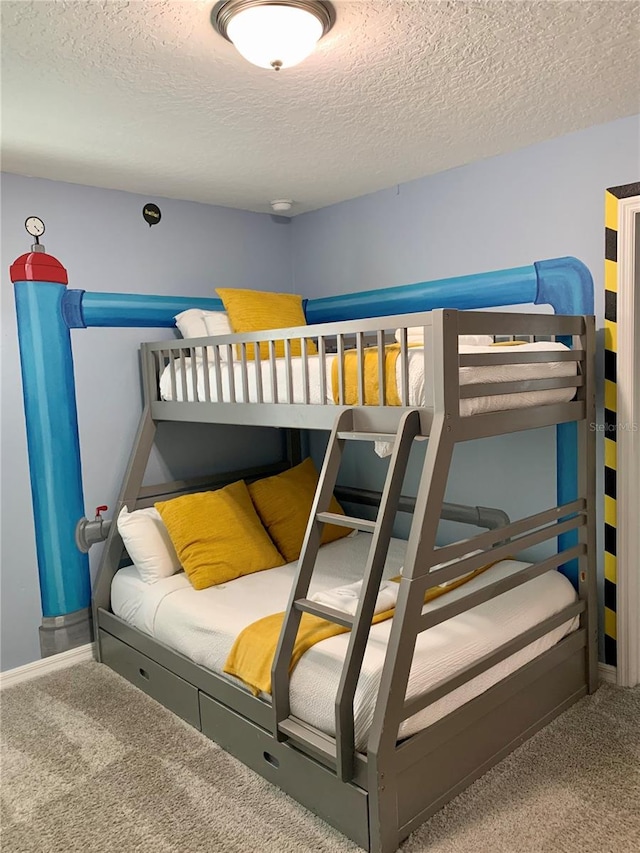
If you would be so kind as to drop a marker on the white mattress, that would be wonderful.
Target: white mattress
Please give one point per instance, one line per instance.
(203, 625)
(420, 394)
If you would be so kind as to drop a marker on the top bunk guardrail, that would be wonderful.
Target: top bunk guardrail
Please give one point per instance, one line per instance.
(380, 367)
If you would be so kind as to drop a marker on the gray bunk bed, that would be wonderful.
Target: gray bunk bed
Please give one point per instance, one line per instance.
(376, 796)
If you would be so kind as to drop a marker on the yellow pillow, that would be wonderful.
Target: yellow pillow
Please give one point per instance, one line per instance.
(218, 536)
(284, 503)
(508, 344)
(257, 311)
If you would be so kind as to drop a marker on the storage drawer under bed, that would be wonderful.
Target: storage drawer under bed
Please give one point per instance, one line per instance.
(343, 805)
(170, 690)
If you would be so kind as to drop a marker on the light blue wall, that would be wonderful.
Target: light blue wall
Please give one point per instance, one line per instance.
(540, 202)
(100, 236)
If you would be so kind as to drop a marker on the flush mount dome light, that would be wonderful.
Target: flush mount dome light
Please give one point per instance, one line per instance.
(273, 33)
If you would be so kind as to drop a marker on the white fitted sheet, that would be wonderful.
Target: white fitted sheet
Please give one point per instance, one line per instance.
(204, 624)
(420, 393)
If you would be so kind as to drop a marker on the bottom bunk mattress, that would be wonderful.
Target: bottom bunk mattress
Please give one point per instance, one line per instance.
(203, 624)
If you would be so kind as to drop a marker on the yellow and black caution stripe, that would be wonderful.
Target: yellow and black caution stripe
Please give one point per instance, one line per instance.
(612, 196)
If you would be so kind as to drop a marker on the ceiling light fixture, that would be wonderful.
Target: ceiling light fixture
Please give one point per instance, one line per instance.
(273, 33)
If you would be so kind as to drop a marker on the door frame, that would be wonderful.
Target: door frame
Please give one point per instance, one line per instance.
(628, 443)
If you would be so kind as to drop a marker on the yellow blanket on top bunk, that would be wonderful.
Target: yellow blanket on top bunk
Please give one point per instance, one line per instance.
(252, 653)
(371, 381)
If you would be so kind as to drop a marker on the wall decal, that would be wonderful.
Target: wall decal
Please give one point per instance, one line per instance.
(35, 227)
(151, 214)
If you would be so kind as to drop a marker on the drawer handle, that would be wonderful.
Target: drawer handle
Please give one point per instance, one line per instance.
(144, 673)
(271, 759)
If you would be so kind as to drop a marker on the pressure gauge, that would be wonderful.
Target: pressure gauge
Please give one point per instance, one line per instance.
(34, 226)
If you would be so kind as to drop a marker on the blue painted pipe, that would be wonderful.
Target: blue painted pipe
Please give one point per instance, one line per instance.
(562, 283)
(484, 290)
(566, 284)
(131, 309)
(53, 445)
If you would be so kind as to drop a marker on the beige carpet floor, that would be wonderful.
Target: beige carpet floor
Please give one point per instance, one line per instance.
(90, 764)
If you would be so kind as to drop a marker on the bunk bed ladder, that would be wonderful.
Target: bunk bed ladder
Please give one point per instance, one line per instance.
(359, 624)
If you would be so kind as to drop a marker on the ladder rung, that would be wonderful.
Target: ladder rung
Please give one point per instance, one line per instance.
(319, 743)
(324, 612)
(347, 521)
(367, 436)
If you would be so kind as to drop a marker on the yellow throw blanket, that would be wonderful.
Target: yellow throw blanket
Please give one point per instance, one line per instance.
(251, 656)
(371, 384)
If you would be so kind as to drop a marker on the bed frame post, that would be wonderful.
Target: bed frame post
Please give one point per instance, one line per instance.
(129, 492)
(587, 579)
(383, 812)
(420, 556)
(294, 446)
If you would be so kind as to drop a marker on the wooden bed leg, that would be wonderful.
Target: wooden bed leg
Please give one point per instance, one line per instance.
(383, 808)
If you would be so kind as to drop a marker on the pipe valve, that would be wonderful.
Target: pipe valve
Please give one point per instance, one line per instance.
(90, 532)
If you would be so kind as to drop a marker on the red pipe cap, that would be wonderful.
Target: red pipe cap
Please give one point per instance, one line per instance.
(38, 266)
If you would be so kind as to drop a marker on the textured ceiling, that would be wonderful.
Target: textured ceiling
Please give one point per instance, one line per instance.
(145, 96)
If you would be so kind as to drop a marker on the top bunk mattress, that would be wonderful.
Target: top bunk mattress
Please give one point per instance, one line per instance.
(203, 625)
(316, 391)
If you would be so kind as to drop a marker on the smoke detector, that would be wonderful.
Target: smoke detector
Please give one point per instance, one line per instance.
(281, 205)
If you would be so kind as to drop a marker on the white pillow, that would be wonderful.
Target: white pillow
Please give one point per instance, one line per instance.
(190, 323)
(415, 335)
(148, 543)
(196, 323)
(217, 323)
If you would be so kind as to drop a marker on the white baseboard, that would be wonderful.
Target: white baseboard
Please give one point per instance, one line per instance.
(607, 673)
(46, 665)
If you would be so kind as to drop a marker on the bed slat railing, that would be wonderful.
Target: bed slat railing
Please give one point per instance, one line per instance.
(382, 373)
(305, 373)
(288, 369)
(217, 370)
(291, 380)
(360, 357)
(484, 359)
(486, 541)
(195, 359)
(183, 373)
(447, 685)
(257, 364)
(322, 356)
(448, 611)
(515, 324)
(205, 372)
(244, 377)
(172, 369)
(522, 386)
(404, 372)
(340, 351)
